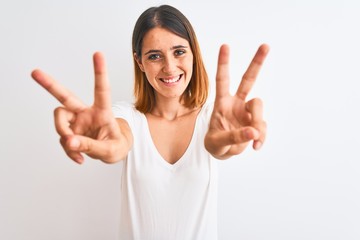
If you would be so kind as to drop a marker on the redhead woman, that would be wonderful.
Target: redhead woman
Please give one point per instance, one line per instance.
(170, 139)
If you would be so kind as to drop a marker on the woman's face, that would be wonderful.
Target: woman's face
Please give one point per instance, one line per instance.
(167, 61)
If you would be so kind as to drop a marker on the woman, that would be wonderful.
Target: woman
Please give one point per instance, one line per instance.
(169, 139)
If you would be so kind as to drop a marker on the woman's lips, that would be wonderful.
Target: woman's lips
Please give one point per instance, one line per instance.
(171, 79)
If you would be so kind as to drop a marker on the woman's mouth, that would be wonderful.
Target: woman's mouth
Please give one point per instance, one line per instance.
(170, 80)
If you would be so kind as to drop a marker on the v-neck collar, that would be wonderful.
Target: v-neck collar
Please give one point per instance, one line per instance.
(164, 162)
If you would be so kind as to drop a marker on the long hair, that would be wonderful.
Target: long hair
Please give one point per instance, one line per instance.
(172, 19)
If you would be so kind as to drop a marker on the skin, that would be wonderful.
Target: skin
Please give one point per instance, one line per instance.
(235, 121)
(167, 56)
(93, 130)
(90, 130)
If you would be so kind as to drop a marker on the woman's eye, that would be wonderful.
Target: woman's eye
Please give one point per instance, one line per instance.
(179, 52)
(154, 57)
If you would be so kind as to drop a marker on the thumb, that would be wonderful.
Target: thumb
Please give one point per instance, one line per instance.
(97, 149)
(219, 142)
(74, 143)
(237, 136)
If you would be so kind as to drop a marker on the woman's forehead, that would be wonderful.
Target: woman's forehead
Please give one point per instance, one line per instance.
(162, 39)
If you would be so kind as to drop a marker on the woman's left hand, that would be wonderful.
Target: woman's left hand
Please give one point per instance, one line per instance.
(235, 121)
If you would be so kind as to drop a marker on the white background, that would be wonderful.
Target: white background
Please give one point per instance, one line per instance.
(303, 184)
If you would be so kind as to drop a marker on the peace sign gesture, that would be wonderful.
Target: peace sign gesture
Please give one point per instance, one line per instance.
(91, 130)
(235, 121)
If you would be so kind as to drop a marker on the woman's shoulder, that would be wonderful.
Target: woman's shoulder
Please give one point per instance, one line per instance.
(123, 104)
(206, 110)
(124, 109)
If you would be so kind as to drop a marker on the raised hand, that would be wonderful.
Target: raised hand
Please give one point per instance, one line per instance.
(88, 129)
(235, 121)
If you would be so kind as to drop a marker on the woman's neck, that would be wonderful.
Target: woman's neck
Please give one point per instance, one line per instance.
(170, 109)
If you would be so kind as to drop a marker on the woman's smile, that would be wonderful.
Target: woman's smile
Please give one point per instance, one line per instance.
(171, 80)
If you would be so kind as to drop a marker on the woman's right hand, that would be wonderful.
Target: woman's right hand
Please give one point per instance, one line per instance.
(91, 130)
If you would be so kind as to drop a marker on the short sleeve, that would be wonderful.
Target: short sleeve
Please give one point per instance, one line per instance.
(124, 110)
(207, 111)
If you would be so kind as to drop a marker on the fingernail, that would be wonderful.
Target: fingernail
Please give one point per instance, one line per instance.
(251, 134)
(80, 161)
(248, 134)
(74, 143)
(257, 145)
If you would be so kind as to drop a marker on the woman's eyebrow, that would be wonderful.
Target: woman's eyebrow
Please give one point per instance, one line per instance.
(172, 48)
(178, 46)
(152, 51)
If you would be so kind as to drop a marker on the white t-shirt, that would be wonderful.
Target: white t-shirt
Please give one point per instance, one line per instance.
(163, 201)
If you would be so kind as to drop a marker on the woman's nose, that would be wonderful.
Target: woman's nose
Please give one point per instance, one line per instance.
(169, 65)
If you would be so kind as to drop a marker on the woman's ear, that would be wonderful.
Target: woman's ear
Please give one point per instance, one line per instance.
(138, 60)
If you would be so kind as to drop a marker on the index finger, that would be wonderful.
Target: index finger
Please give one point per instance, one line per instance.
(252, 71)
(63, 95)
(102, 86)
(222, 74)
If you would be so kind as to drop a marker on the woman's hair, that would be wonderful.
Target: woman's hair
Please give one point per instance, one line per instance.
(169, 18)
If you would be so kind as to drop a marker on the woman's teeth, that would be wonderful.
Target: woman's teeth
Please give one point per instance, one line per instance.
(171, 80)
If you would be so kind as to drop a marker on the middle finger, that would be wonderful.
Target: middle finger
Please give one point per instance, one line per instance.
(251, 73)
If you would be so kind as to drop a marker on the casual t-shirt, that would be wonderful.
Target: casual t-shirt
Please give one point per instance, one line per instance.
(163, 201)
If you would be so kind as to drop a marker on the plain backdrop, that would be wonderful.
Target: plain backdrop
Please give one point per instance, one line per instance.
(303, 184)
